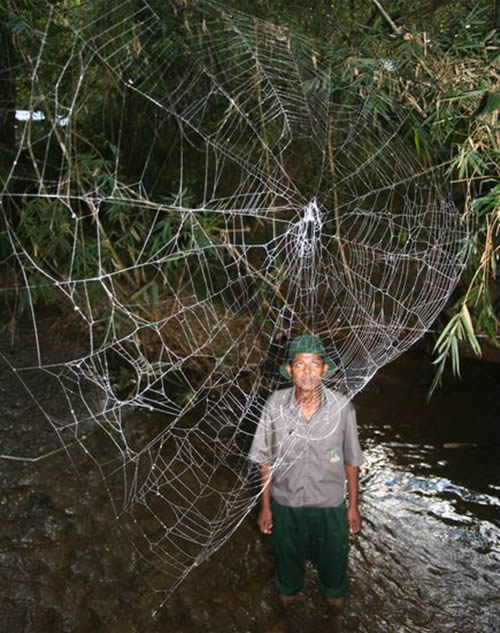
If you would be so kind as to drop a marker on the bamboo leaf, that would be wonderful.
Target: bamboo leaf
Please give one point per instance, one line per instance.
(466, 318)
(436, 382)
(416, 138)
(445, 331)
(491, 104)
(142, 290)
(455, 356)
(442, 357)
(490, 329)
(155, 292)
(469, 330)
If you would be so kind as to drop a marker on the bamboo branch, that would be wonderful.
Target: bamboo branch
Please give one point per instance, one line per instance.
(398, 30)
(331, 159)
(255, 272)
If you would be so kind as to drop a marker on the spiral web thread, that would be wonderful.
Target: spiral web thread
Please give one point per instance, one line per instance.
(260, 200)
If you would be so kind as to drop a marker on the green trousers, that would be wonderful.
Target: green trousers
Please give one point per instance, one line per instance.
(321, 534)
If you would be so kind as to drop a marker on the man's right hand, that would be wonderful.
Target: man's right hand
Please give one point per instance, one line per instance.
(265, 520)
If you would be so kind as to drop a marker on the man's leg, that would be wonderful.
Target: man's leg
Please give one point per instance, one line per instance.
(288, 546)
(336, 605)
(329, 549)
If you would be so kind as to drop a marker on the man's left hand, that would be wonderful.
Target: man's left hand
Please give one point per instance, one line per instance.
(354, 520)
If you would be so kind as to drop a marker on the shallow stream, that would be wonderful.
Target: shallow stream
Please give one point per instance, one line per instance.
(427, 560)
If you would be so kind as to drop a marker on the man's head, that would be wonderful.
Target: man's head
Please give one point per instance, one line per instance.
(307, 362)
(307, 370)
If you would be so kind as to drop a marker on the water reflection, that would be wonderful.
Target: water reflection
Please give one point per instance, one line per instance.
(428, 559)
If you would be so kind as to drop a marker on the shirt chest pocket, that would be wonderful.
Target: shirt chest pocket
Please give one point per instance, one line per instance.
(333, 456)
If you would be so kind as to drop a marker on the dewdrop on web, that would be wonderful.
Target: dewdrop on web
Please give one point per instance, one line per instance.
(387, 64)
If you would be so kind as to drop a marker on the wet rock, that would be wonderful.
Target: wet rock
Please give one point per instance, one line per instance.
(42, 618)
(39, 501)
(48, 522)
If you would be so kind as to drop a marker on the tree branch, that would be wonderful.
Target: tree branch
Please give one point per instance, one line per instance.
(398, 30)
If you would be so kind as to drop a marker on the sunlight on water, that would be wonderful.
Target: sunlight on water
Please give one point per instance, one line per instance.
(429, 554)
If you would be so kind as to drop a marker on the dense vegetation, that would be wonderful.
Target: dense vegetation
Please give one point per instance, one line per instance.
(447, 78)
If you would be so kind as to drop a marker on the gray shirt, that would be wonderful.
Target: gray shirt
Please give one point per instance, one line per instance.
(307, 456)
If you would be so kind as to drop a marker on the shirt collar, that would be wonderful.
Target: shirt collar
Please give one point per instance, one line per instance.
(293, 407)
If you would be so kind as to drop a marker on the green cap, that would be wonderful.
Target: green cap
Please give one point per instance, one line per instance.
(307, 344)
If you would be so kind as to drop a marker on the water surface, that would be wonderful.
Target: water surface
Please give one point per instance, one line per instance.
(427, 559)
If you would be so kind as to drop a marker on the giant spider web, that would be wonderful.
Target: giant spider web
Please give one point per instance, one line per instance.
(210, 185)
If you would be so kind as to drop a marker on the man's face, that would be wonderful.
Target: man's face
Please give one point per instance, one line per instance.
(306, 370)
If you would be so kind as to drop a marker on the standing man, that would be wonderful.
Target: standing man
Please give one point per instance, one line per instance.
(307, 447)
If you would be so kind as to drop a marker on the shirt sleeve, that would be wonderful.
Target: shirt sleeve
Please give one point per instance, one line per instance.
(353, 455)
(261, 448)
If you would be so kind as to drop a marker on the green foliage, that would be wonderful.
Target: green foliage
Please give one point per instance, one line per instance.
(459, 329)
(439, 64)
(446, 79)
